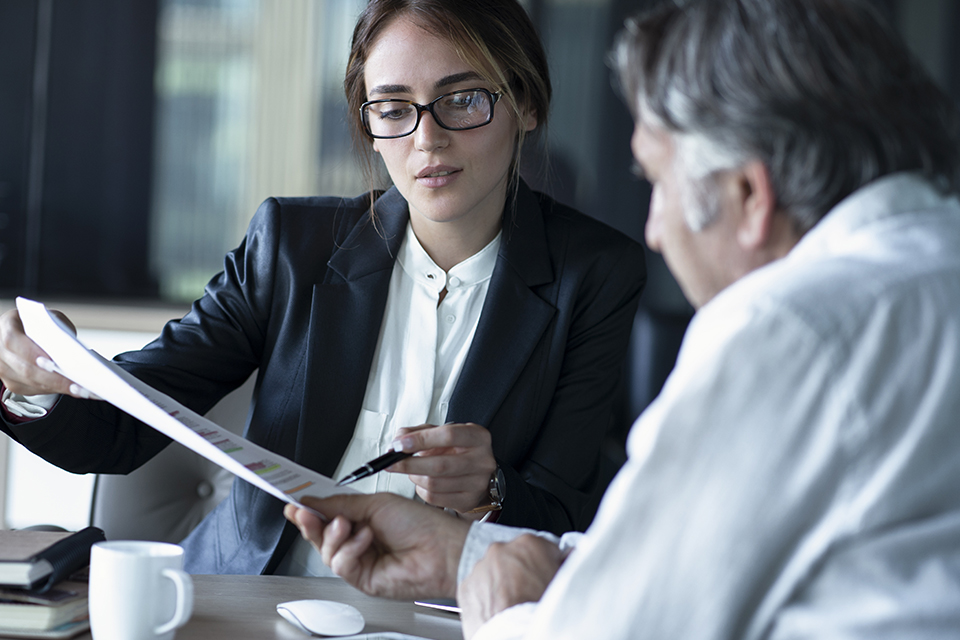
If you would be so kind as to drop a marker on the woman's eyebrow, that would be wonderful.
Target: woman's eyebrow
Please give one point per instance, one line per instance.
(446, 81)
(389, 88)
(443, 82)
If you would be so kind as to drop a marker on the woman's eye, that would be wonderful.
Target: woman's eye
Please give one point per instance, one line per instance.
(461, 101)
(395, 113)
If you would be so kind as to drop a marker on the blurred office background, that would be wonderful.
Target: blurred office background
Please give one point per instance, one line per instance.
(138, 138)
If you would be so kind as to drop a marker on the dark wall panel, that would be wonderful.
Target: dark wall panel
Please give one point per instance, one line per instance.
(17, 31)
(94, 114)
(97, 173)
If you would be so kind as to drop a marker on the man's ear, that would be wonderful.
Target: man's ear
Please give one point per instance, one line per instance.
(759, 206)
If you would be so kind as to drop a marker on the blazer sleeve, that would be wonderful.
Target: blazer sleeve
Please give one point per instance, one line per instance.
(196, 360)
(550, 487)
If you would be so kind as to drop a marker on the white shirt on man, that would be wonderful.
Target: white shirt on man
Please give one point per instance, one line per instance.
(798, 475)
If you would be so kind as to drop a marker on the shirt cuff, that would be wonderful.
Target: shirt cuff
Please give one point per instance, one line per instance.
(482, 535)
(28, 407)
(479, 539)
(509, 624)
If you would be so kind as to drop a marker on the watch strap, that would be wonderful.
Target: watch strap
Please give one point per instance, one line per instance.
(495, 493)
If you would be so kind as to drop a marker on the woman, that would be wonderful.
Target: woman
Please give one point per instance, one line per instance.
(458, 300)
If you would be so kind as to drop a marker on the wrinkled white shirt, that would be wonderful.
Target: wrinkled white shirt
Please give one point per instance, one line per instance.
(799, 475)
(419, 356)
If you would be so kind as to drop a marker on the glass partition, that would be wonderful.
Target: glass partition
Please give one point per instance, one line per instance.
(249, 104)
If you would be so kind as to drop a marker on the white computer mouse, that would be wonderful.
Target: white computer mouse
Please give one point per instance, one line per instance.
(322, 617)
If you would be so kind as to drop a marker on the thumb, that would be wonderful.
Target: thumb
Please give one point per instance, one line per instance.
(353, 507)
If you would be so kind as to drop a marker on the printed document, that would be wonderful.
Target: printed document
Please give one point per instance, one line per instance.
(260, 467)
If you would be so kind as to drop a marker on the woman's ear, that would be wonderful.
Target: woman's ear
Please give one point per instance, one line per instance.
(529, 118)
(375, 149)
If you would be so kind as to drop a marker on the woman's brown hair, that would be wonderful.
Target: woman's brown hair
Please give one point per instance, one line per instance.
(496, 37)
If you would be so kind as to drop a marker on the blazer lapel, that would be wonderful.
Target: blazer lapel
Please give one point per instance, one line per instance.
(347, 311)
(513, 319)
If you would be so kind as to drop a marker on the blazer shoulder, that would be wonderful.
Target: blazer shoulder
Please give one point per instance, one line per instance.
(591, 234)
(305, 221)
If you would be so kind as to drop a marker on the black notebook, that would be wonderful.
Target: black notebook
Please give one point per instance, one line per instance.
(39, 559)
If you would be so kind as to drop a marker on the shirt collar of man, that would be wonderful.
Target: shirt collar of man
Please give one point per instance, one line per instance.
(883, 198)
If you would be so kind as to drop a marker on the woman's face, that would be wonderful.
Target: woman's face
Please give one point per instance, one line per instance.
(454, 181)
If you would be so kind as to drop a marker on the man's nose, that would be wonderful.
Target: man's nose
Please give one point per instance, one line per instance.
(652, 231)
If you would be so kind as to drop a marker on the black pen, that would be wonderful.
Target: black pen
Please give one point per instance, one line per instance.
(375, 466)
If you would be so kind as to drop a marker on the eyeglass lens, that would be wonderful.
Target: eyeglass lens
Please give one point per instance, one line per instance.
(457, 110)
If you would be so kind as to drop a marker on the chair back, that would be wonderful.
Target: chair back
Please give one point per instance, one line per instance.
(168, 496)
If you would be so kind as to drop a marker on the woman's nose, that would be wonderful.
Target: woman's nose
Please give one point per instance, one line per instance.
(430, 136)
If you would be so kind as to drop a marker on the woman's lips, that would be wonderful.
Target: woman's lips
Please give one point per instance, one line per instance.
(434, 177)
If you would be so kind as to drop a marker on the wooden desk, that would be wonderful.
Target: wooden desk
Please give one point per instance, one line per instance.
(241, 607)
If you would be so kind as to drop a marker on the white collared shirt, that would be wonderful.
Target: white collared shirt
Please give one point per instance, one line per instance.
(420, 353)
(798, 475)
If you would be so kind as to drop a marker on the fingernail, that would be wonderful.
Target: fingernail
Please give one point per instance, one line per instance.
(79, 391)
(403, 444)
(46, 364)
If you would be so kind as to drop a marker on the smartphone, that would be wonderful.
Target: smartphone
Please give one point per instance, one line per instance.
(443, 604)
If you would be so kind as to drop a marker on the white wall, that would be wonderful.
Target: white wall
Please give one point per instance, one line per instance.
(33, 491)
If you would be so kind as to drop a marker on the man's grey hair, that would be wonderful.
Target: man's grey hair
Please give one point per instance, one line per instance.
(697, 160)
(823, 92)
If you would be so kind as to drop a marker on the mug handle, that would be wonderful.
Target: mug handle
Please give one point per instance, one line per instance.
(184, 585)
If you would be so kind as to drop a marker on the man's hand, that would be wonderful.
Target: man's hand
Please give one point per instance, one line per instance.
(453, 465)
(385, 545)
(25, 368)
(508, 574)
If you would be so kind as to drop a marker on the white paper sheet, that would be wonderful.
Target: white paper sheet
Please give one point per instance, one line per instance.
(260, 467)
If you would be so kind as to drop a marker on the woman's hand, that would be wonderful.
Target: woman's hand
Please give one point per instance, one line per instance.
(453, 465)
(25, 368)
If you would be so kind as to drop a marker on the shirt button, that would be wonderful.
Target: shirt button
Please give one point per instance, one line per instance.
(451, 319)
(454, 282)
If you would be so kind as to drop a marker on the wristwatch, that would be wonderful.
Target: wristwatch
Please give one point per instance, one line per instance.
(498, 489)
(497, 492)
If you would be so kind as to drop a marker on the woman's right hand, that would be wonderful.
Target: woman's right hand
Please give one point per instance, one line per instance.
(454, 464)
(25, 368)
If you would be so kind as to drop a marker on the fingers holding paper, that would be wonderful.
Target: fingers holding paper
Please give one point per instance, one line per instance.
(25, 368)
(453, 465)
(385, 545)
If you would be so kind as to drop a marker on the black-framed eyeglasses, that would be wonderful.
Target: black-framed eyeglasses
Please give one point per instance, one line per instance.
(454, 111)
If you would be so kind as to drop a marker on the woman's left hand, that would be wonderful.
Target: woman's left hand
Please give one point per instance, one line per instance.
(453, 465)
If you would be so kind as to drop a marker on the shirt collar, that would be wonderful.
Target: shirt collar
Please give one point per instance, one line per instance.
(419, 266)
(881, 199)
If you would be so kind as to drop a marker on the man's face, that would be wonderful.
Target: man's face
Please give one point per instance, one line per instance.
(703, 262)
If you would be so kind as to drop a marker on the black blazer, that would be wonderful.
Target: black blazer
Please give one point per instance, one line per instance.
(302, 298)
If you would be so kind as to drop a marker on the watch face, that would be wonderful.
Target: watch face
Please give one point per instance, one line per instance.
(497, 487)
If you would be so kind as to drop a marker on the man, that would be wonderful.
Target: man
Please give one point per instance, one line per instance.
(798, 475)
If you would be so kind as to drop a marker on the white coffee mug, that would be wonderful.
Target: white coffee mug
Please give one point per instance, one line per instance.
(138, 590)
